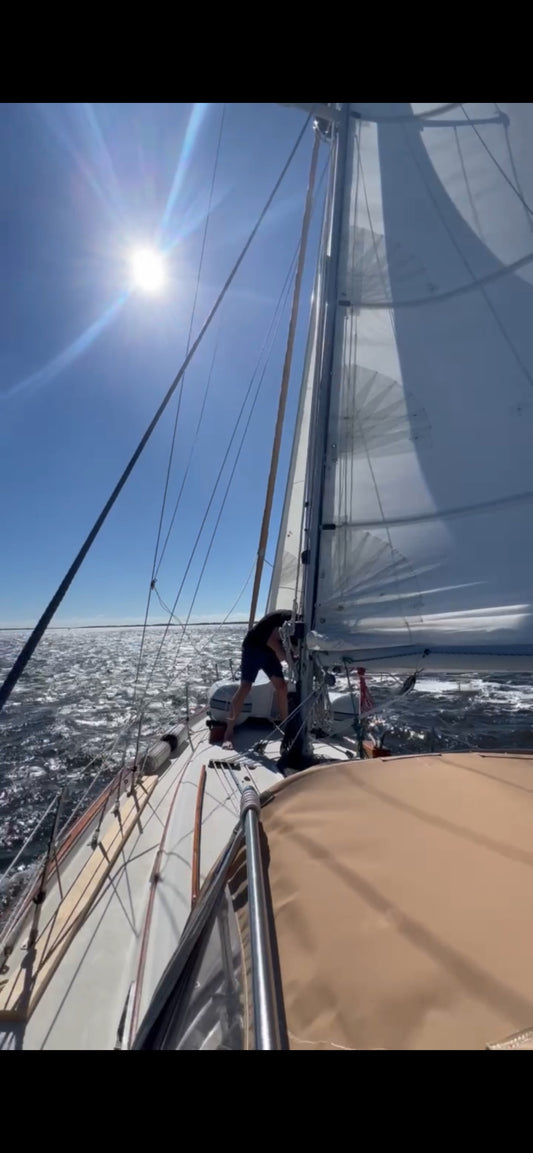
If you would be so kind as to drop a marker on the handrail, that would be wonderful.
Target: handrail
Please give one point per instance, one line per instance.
(266, 1014)
(167, 1009)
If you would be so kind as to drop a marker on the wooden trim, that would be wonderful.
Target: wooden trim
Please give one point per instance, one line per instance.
(25, 986)
(154, 878)
(195, 883)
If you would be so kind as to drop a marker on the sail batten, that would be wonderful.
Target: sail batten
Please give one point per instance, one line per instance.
(426, 543)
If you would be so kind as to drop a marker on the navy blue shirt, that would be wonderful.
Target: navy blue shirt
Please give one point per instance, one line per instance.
(262, 631)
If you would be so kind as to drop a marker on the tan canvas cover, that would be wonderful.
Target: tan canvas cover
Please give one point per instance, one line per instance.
(403, 901)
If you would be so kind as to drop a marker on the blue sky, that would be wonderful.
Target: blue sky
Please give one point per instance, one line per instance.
(85, 362)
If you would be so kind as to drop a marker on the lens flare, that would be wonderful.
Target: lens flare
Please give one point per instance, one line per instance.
(148, 270)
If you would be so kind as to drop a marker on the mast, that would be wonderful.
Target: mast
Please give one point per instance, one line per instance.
(263, 536)
(323, 384)
(319, 423)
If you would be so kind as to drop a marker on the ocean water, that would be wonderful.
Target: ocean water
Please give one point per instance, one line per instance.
(68, 720)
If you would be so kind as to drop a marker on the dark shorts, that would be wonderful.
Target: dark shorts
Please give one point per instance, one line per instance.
(254, 659)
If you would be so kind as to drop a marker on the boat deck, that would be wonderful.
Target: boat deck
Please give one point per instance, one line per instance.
(101, 948)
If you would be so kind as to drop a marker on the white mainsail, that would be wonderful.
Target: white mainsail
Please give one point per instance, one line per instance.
(426, 550)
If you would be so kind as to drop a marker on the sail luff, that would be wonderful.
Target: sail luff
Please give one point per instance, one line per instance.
(285, 377)
(285, 585)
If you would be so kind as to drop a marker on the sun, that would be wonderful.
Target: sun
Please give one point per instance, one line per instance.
(148, 270)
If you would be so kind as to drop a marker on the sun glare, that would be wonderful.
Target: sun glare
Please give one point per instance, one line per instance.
(148, 270)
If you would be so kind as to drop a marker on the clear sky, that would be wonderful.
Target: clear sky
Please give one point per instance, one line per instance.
(85, 361)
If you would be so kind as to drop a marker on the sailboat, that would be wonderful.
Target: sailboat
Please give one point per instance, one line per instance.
(337, 897)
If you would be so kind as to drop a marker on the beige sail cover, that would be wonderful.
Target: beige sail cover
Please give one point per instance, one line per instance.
(403, 901)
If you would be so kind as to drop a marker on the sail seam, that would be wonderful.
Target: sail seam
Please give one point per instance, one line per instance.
(436, 298)
(444, 514)
(466, 262)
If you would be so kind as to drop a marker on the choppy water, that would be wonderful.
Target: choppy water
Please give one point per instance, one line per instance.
(76, 697)
(73, 705)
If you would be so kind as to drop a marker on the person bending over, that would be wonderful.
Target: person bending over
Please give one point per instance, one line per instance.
(261, 649)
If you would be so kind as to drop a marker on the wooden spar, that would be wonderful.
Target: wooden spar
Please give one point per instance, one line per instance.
(195, 884)
(263, 536)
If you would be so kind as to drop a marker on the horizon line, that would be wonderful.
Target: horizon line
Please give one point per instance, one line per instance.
(124, 625)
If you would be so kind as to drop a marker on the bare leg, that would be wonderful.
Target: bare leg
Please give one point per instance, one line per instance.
(234, 709)
(281, 691)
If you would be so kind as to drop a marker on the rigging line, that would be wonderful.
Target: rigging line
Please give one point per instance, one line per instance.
(221, 509)
(265, 352)
(199, 652)
(191, 454)
(107, 765)
(512, 163)
(156, 566)
(473, 208)
(321, 274)
(285, 379)
(235, 603)
(299, 418)
(24, 846)
(501, 170)
(274, 325)
(193, 317)
(137, 715)
(33, 640)
(312, 696)
(318, 189)
(275, 728)
(178, 407)
(209, 641)
(106, 754)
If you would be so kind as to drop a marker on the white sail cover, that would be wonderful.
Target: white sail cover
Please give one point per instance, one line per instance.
(427, 557)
